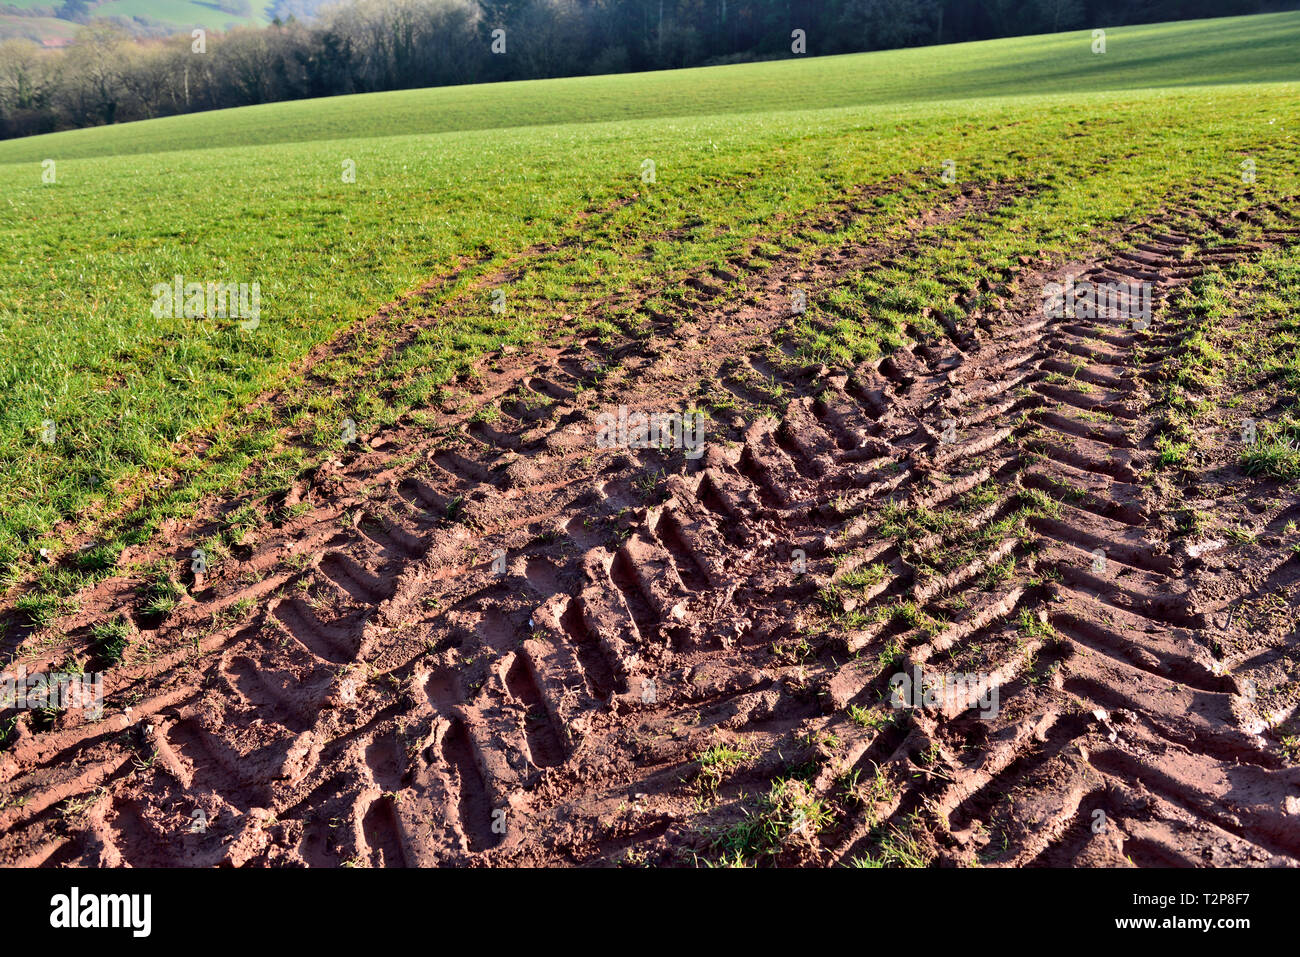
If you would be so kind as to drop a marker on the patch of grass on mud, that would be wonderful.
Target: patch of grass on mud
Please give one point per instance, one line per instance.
(896, 847)
(717, 763)
(109, 640)
(1276, 452)
(781, 828)
(1231, 391)
(160, 594)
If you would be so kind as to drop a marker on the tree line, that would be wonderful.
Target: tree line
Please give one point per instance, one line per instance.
(107, 76)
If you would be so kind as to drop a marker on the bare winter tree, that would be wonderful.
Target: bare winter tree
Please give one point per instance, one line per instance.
(93, 87)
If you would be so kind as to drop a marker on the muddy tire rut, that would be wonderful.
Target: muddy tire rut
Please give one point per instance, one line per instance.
(492, 642)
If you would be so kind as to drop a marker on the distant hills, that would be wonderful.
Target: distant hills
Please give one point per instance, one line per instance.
(53, 23)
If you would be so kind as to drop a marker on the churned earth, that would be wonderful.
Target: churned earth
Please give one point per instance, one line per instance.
(485, 636)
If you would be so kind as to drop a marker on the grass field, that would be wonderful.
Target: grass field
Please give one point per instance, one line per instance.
(947, 181)
(264, 202)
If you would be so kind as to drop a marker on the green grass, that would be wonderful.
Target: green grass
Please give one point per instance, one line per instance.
(787, 817)
(1277, 455)
(160, 594)
(718, 762)
(1238, 360)
(474, 176)
(109, 640)
(896, 847)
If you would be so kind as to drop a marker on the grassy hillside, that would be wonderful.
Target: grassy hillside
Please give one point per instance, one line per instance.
(152, 412)
(1231, 50)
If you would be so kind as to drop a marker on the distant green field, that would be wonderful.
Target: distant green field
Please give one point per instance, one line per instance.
(35, 28)
(256, 195)
(183, 13)
(32, 4)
